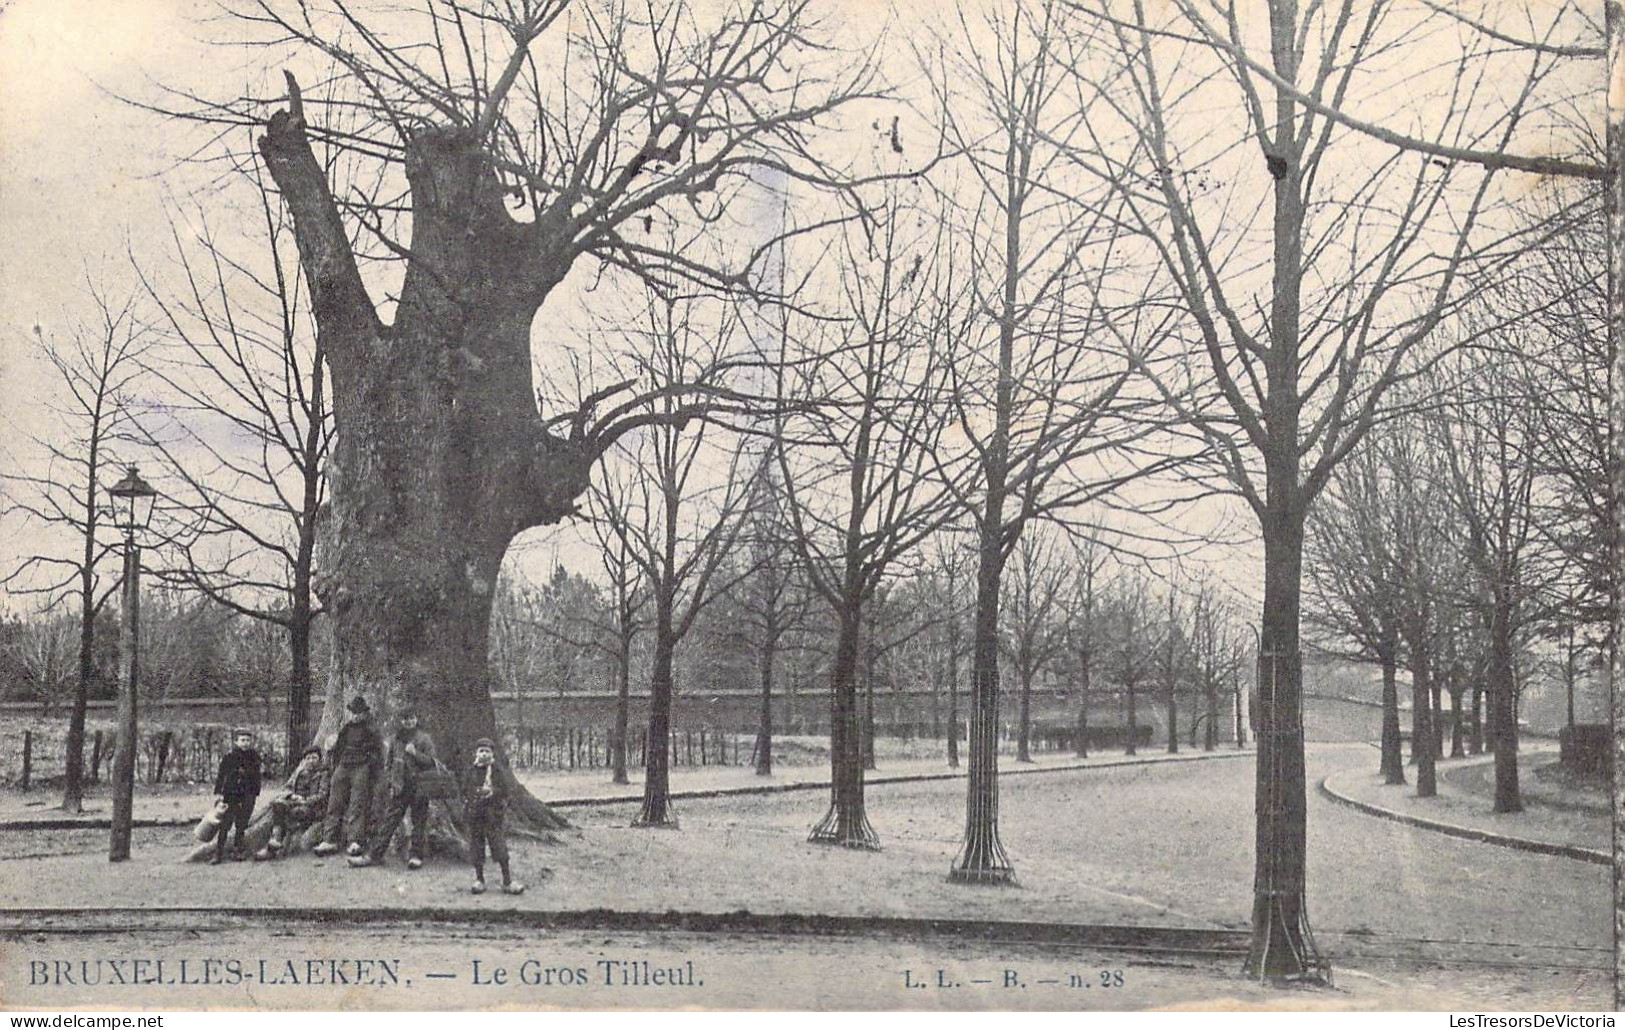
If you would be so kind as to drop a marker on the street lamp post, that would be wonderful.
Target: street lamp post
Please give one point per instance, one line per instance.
(133, 501)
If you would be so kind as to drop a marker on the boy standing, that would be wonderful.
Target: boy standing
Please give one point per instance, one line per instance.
(484, 793)
(411, 752)
(237, 784)
(356, 757)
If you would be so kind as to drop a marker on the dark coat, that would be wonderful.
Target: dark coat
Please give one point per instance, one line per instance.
(403, 767)
(239, 776)
(474, 778)
(358, 744)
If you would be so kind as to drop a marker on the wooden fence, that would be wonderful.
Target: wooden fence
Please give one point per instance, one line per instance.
(30, 758)
(183, 755)
(164, 754)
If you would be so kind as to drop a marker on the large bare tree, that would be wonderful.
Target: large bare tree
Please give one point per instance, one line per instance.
(1362, 251)
(1565, 34)
(480, 152)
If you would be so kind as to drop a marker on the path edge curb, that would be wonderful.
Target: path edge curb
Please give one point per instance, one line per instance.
(1569, 851)
(881, 781)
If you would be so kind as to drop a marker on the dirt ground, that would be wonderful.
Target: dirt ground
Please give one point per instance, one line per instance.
(1167, 845)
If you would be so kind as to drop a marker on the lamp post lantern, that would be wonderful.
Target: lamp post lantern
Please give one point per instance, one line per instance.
(133, 499)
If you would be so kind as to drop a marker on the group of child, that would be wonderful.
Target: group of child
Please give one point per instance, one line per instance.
(337, 790)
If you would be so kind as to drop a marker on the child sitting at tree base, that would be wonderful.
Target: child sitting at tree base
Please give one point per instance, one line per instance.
(301, 803)
(484, 793)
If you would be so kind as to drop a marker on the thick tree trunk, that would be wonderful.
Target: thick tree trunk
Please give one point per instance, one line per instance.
(846, 824)
(412, 633)
(982, 857)
(442, 456)
(1503, 706)
(1393, 762)
(1281, 944)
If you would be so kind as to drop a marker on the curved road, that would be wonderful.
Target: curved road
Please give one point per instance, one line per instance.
(1173, 844)
(1159, 845)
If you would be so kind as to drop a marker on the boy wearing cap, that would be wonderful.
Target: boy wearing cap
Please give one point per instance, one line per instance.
(237, 785)
(357, 755)
(485, 791)
(411, 752)
(302, 801)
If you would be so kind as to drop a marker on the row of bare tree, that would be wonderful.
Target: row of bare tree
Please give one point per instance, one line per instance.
(1475, 522)
(1071, 624)
(1145, 256)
